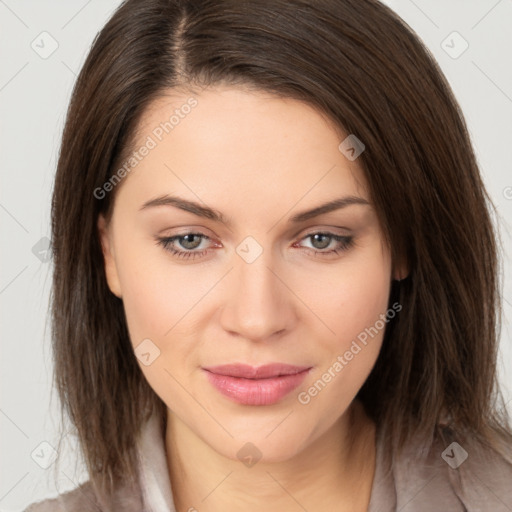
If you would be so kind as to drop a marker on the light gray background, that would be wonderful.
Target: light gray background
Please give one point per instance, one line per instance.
(34, 93)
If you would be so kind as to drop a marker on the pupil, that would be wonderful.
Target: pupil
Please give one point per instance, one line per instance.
(189, 241)
(318, 237)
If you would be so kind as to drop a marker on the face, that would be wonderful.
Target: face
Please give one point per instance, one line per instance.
(217, 262)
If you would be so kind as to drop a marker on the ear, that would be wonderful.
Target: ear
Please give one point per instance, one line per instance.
(107, 248)
(401, 271)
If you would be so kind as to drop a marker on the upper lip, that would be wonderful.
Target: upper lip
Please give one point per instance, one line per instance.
(256, 372)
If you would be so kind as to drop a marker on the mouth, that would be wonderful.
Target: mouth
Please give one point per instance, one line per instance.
(262, 385)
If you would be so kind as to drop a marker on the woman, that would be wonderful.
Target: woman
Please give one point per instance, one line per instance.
(275, 278)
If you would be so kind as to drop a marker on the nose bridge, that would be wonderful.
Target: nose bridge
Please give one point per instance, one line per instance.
(258, 304)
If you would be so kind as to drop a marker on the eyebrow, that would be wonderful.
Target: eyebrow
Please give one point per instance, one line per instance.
(217, 216)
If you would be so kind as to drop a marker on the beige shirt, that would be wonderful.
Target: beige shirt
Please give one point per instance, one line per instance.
(481, 483)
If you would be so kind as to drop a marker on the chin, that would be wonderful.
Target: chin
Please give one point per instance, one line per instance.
(257, 443)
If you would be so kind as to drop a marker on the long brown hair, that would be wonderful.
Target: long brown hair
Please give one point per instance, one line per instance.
(362, 66)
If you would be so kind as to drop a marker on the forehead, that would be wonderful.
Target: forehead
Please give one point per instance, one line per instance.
(225, 114)
(232, 142)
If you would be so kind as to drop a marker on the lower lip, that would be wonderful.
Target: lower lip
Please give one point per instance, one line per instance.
(256, 391)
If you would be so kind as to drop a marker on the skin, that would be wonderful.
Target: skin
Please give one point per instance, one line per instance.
(259, 160)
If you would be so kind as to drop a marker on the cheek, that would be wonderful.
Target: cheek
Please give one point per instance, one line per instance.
(149, 302)
(354, 310)
(161, 302)
(350, 297)
(364, 299)
(156, 302)
(157, 293)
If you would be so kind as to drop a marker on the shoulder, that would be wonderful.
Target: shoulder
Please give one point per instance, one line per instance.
(85, 498)
(480, 476)
(80, 498)
(454, 475)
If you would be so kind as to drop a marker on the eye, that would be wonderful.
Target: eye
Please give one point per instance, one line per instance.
(189, 242)
(187, 245)
(321, 241)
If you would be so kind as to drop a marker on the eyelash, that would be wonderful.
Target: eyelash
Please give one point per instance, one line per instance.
(345, 242)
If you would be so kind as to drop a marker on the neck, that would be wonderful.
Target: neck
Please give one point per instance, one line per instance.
(335, 472)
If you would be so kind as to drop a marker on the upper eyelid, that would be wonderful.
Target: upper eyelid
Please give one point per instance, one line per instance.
(290, 232)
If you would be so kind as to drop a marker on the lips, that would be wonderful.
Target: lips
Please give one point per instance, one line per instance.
(262, 385)
(256, 372)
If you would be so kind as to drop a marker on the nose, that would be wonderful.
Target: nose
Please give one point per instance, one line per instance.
(258, 304)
